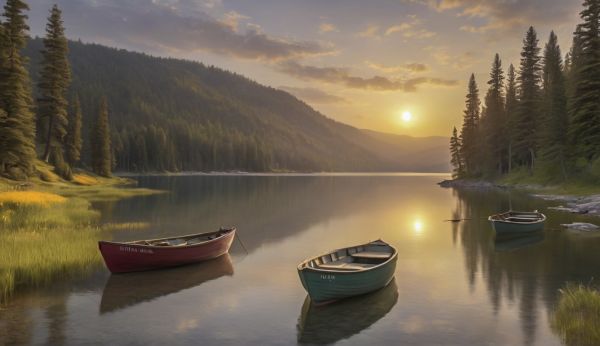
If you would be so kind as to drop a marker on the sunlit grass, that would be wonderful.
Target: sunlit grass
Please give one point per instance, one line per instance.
(84, 179)
(577, 316)
(48, 230)
(30, 198)
(42, 242)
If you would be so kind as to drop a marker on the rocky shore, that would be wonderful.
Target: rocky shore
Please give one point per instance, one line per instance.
(589, 205)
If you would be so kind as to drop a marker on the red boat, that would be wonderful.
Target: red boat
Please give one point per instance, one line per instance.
(151, 254)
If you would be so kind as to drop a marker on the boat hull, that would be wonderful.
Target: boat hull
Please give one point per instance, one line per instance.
(507, 228)
(128, 257)
(324, 287)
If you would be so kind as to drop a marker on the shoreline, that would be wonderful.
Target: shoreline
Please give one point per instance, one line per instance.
(573, 203)
(275, 174)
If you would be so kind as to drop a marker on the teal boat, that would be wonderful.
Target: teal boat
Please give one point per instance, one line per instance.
(348, 272)
(517, 222)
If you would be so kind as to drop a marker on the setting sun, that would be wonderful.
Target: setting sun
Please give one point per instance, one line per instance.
(406, 116)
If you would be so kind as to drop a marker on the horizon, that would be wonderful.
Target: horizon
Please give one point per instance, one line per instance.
(336, 59)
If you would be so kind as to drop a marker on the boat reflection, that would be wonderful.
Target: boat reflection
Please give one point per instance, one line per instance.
(125, 290)
(515, 242)
(331, 323)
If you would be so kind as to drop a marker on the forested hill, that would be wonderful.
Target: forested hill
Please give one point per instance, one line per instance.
(176, 115)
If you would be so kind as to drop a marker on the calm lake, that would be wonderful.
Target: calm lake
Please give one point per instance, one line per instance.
(455, 283)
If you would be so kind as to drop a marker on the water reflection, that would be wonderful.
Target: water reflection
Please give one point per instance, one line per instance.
(516, 242)
(528, 277)
(125, 290)
(460, 285)
(331, 323)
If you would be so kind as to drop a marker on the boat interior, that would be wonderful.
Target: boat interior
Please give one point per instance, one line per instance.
(185, 240)
(356, 258)
(519, 217)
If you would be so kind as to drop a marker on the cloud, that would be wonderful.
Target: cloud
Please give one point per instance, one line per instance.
(410, 67)
(460, 61)
(327, 27)
(178, 26)
(507, 15)
(412, 28)
(372, 31)
(337, 75)
(313, 95)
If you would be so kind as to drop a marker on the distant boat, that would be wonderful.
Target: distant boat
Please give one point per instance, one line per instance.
(515, 222)
(348, 272)
(123, 291)
(151, 254)
(324, 325)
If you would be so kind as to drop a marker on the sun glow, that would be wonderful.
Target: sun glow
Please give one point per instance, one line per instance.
(418, 226)
(407, 116)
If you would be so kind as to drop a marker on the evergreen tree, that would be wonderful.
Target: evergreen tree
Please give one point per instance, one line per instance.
(527, 115)
(585, 104)
(74, 141)
(469, 136)
(54, 81)
(101, 148)
(17, 130)
(495, 120)
(455, 158)
(510, 107)
(553, 138)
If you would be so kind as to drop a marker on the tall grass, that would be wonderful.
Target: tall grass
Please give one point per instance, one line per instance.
(577, 316)
(44, 238)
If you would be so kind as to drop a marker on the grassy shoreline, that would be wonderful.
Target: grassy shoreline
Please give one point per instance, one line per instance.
(49, 231)
(577, 315)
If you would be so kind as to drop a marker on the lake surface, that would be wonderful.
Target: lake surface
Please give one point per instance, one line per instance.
(455, 283)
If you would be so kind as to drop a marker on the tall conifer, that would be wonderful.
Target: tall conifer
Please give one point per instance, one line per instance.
(495, 119)
(552, 134)
(510, 107)
(101, 151)
(18, 128)
(54, 81)
(74, 141)
(528, 113)
(455, 158)
(585, 103)
(469, 135)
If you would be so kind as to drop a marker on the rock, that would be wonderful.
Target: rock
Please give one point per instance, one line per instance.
(581, 226)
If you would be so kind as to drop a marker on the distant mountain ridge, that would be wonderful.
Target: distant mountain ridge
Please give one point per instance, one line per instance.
(176, 115)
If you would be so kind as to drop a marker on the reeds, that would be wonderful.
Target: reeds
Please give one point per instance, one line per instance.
(40, 242)
(577, 316)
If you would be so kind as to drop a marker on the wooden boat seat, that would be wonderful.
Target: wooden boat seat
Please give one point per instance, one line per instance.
(372, 255)
(345, 266)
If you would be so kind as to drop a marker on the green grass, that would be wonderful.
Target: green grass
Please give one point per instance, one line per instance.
(577, 316)
(540, 183)
(48, 230)
(42, 242)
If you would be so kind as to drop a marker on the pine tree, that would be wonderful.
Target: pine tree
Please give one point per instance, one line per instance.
(469, 135)
(17, 132)
(553, 138)
(74, 141)
(528, 110)
(54, 81)
(510, 108)
(101, 148)
(495, 119)
(455, 158)
(585, 104)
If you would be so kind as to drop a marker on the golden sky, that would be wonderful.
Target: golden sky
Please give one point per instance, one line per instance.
(361, 63)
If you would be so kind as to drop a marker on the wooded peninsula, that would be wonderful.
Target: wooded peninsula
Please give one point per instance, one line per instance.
(540, 121)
